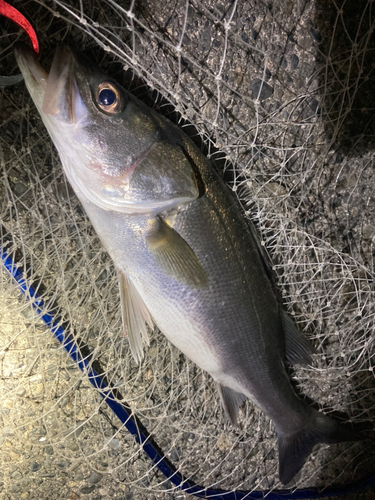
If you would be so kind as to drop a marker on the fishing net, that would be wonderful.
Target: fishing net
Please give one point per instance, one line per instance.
(281, 96)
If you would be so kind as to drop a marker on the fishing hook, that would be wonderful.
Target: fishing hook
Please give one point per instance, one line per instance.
(14, 15)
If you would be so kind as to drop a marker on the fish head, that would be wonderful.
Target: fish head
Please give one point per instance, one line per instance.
(116, 152)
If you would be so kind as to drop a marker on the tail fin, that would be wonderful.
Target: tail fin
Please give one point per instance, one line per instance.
(294, 449)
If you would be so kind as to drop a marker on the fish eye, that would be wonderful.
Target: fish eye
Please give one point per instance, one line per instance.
(109, 98)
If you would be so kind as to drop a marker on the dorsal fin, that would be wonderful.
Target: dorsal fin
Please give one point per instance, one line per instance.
(265, 258)
(298, 350)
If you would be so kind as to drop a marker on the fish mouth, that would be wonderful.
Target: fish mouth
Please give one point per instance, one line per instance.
(34, 75)
(55, 93)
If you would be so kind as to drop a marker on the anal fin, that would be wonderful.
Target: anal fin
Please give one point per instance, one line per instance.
(135, 315)
(231, 401)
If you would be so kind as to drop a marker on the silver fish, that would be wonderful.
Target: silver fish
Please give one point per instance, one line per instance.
(185, 257)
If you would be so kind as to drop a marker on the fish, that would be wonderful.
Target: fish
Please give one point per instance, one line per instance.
(187, 260)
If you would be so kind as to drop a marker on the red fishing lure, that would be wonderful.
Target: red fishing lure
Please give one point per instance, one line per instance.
(13, 14)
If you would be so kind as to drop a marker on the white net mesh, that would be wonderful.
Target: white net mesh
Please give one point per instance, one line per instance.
(281, 94)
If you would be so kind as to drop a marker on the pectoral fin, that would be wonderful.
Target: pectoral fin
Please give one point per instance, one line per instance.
(135, 315)
(174, 255)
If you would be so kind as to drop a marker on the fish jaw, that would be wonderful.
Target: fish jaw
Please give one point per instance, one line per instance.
(62, 98)
(55, 109)
(34, 75)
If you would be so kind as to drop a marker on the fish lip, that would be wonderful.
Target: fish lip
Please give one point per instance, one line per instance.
(55, 93)
(61, 88)
(29, 65)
